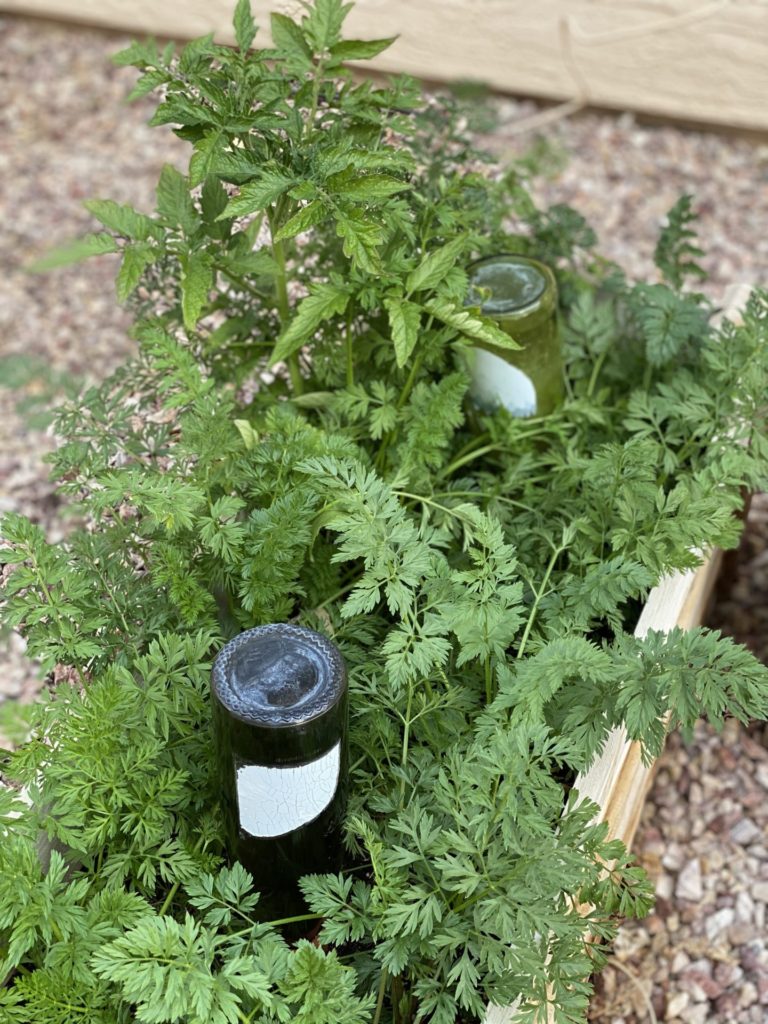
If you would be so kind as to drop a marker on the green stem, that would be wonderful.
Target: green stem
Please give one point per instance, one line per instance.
(488, 681)
(539, 594)
(350, 361)
(169, 898)
(293, 920)
(380, 996)
(469, 457)
(595, 373)
(406, 741)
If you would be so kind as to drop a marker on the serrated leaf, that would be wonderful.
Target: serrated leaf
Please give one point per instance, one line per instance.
(258, 195)
(471, 324)
(359, 188)
(196, 282)
(404, 320)
(324, 21)
(360, 49)
(361, 239)
(306, 218)
(174, 201)
(137, 54)
(435, 265)
(325, 301)
(289, 39)
(136, 258)
(204, 159)
(213, 199)
(123, 219)
(244, 25)
(73, 252)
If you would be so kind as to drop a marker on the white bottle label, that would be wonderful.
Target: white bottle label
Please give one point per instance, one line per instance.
(273, 801)
(496, 382)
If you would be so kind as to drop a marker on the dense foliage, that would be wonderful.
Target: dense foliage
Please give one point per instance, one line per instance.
(294, 441)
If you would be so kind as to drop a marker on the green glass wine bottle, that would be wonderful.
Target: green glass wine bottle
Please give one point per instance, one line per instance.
(280, 727)
(520, 294)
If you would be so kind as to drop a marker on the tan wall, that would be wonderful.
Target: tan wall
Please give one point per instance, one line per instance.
(690, 59)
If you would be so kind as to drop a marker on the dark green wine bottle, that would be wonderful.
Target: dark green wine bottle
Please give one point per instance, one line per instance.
(520, 294)
(280, 726)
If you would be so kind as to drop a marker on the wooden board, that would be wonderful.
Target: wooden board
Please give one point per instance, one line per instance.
(702, 60)
(618, 781)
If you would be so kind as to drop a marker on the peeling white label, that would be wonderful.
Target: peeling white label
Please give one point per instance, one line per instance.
(273, 801)
(496, 382)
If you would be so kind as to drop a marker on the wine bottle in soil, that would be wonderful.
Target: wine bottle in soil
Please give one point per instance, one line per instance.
(520, 294)
(280, 726)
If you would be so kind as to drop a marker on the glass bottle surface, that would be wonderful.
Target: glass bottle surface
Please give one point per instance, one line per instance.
(520, 294)
(280, 726)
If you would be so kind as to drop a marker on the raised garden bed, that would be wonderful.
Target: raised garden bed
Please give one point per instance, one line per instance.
(297, 442)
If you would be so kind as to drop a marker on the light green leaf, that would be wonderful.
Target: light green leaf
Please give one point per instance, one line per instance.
(404, 320)
(288, 37)
(213, 199)
(324, 21)
(205, 158)
(249, 435)
(325, 301)
(359, 187)
(196, 282)
(306, 218)
(258, 195)
(244, 25)
(136, 258)
(360, 49)
(174, 201)
(361, 239)
(470, 323)
(433, 268)
(73, 252)
(123, 219)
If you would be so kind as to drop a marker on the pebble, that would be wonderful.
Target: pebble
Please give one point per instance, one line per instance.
(676, 1004)
(719, 921)
(745, 831)
(689, 884)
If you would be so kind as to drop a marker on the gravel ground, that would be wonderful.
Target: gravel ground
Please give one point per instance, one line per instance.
(67, 135)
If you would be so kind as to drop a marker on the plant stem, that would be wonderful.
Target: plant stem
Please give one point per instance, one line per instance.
(595, 373)
(469, 457)
(169, 898)
(294, 920)
(488, 681)
(380, 997)
(539, 594)
(350, 361)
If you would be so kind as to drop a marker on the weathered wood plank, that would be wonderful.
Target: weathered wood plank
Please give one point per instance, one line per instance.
(690, 59)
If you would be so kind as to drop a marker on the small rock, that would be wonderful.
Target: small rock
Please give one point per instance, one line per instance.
(761, 774)
(745, 907)
(760, 892)
(728, 974)
(701, 986)
(696, 1013)
(727, 1005)
(674, 857)
(745, 832)
(747, 995)
(718, 922)
(689, 883)
(680, 961)
(676, 1004)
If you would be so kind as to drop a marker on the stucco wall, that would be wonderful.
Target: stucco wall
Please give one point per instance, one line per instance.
(690, 59)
